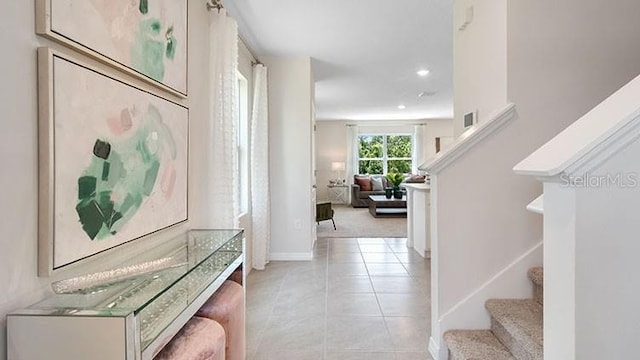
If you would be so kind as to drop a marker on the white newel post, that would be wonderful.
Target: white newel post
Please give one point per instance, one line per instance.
(559, 270)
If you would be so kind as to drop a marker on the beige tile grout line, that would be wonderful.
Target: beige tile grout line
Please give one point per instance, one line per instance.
(326, 301)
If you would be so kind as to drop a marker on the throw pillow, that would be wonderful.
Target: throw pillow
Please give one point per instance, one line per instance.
(364, 182)
(415, 179)
(376, 183)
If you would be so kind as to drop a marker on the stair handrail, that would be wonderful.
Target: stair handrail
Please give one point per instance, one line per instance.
(469, 139)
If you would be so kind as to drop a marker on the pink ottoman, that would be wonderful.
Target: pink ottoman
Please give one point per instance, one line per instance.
(199, 339)
(226, 306)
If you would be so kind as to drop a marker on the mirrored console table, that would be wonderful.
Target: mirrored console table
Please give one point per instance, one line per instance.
(132, 311)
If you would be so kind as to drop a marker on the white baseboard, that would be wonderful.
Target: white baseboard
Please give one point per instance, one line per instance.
(434, 349)
(470, 313)
(291, 256)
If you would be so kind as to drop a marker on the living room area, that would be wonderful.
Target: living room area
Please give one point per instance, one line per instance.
(352, 161)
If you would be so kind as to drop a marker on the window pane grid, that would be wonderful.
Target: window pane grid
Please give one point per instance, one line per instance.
(379, 154)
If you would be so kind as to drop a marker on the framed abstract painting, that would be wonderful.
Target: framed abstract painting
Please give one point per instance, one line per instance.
(113, 161)
(145, 38)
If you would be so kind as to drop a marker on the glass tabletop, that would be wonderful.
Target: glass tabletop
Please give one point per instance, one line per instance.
(180, 268)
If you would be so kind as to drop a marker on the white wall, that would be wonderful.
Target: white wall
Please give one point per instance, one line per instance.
(556, 73)
(482, 224)
(436, 128)
(18, 144)
(479, 60)
(19, 177)
(290, 91)
(332, 143)
(559, 71)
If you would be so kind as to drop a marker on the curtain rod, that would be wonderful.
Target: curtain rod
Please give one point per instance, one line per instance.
(214, 4)
(217, 4)
(254, 59)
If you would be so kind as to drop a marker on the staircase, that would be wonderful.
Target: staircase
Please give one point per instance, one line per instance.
(516, 329)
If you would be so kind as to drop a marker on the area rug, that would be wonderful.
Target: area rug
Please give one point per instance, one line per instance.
(357, 222)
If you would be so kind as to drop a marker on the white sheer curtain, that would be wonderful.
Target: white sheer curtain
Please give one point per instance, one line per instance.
(222, 190)
(260, 198)
(352, 155)
(418, 151)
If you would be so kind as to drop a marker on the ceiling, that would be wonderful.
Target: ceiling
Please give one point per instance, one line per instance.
(365, 53)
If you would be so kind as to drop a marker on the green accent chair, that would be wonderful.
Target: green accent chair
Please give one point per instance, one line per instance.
(324, 212)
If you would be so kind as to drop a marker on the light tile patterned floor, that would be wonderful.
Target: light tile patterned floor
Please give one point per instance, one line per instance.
(365, 298)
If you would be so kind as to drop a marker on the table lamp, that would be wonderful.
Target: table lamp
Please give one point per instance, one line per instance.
(338, 167)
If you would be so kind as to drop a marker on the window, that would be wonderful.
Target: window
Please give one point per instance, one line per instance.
(379, 154)
(243, 144)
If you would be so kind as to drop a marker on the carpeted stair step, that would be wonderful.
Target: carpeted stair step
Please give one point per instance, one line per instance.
(517, 323)
(475, 345)
(535, 275)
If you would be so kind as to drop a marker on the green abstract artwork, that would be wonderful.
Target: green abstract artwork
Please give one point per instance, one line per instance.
(147, 37)
(110, 192)
(121, 161)
(153, 48)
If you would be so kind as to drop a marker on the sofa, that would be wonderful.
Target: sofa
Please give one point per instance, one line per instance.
(360, 194)
(365, 185)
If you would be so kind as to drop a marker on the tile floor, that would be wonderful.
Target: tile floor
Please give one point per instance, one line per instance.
(364, 298)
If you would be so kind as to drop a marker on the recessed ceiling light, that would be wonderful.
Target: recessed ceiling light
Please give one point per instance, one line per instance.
(422, 72)
(401, 107)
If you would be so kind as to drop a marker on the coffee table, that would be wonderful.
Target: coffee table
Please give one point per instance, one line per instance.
(380, 206)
